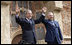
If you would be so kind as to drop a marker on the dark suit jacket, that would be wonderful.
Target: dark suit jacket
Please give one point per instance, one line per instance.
(28, 29)
(52, 31)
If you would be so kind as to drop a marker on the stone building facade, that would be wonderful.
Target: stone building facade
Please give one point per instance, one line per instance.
(66, 20)
(66, 16)
(11, 32)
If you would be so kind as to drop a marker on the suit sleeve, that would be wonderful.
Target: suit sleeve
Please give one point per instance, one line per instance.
(18, 20)
(60, 34)
(40, 19)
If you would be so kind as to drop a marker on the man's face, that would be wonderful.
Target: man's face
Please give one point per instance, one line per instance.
(50, 16)
(29, 14)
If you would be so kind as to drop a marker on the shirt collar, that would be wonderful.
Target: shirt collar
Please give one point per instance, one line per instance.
(27, 19)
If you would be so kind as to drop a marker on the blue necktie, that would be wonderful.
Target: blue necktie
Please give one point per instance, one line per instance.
(30, 21)
(53, 23)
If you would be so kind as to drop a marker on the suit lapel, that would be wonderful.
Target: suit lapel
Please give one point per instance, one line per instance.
(51, 23)
(32, 21)
(27, 21)
(55, 24)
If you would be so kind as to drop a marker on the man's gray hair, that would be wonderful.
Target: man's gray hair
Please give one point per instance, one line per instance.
(28, 11)
(51, 12)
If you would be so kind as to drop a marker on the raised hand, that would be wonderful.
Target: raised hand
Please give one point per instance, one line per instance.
(44, 9)
(17, 9)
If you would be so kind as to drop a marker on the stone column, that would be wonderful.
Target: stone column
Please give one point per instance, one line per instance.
(57, 13)
(5, 22)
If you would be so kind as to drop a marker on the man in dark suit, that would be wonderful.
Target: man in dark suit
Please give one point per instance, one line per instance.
(28, 26)
(53, 31)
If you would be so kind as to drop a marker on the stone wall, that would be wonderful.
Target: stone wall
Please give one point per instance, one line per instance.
(5, 24)
(66, 18)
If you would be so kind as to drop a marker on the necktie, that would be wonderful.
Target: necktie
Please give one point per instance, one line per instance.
(30, 21)
(53, 23)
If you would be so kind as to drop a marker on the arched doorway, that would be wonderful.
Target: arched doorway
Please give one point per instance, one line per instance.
(16, 39)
